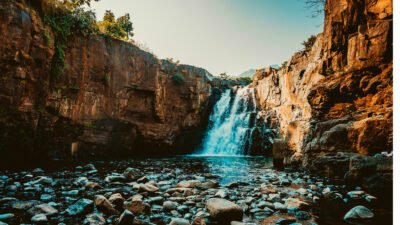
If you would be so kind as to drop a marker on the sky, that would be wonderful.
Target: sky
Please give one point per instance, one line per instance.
(229, 36)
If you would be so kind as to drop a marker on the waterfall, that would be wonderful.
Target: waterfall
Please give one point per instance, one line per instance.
(231, 124)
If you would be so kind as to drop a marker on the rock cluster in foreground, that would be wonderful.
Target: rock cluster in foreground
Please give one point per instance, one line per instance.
(173, 192)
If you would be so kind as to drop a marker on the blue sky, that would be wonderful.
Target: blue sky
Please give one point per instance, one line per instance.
(219, 35)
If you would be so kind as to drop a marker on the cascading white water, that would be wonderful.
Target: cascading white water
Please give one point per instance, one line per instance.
(231, 124)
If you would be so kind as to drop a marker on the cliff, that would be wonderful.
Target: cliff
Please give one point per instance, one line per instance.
(110, 98)
(333, 104)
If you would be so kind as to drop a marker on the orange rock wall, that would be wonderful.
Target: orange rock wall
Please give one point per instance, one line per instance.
(112, 93)
(338, 96)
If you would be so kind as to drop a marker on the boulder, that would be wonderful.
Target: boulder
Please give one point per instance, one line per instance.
(224, 211)
(126, 218)
(188, 184)
(39, 218)
(80, 207)
(221, 194)
(132, 173)
(6, 216)
(42, 209)
(147, 188)
(178, 221)
(359, 213)
(117, 200)
(115, 178)
(104, 205)
(279, 206)
(138, 207)
(24, 205)
(294, 205)
(170, 205)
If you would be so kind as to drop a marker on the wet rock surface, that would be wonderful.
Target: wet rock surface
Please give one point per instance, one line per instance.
(183, 190)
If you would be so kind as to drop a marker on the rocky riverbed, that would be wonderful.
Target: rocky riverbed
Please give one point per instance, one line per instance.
(182, 190)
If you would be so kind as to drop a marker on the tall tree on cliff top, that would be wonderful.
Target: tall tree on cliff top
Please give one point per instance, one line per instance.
(109, 17)
(125, 23)
(121, 28)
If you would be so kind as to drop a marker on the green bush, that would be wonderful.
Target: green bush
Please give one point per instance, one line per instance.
(64, 24)
(244, 80)
(178, 78)
(309, 43)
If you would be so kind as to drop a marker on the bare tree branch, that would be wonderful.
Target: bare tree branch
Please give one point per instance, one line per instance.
(316, 6)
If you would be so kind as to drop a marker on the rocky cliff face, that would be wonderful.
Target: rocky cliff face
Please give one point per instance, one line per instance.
(111, 94)
(334, 103)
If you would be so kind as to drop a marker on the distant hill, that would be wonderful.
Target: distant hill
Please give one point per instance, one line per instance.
(248, 73)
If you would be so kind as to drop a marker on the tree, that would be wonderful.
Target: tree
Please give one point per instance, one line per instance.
(284, 64)
(109, 17)
(178, 78)
(244, 80)
(125, 23)
(121, 28)
(172, 61)
(316, 6)
(224, 76)
(309, 43)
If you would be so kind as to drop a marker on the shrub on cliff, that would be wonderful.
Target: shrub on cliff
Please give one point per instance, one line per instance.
(64, 24)
(309, 43)
(225, 76)
(178, 78)
(244, 80)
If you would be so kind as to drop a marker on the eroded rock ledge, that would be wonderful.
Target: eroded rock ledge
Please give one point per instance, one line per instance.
(335, 101)
(111, 95)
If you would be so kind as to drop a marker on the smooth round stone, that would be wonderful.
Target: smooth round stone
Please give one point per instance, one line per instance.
(279, 206)
(6, 216)
(224, 211)
(170, 205)
(39, 218)
(70, 193)
(187, 216)
(46, 197)
(359, 213)
(178, 221)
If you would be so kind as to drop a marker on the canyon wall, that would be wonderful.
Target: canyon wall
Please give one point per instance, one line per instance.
(332, 105)
(111, 95)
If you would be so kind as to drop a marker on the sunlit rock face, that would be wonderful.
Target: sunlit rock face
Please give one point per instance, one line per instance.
(111, 94)
(338, 96)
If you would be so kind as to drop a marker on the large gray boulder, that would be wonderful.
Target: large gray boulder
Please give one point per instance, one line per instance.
(359, 213)
(224, 211)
